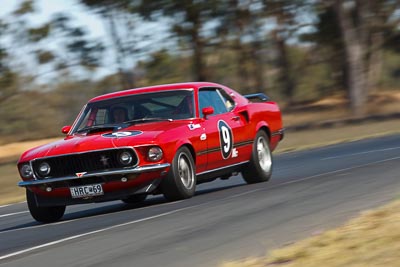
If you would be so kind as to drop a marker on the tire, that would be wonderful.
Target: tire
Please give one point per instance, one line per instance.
(180, 182)
(43, 214)
(260, 166)
(134, 199)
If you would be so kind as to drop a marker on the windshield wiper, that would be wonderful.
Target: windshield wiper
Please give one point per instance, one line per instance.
(99, 128)
(116, 127)
(147, 120)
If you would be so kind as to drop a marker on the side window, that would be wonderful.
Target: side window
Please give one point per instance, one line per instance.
(228, 101)
(214, 98)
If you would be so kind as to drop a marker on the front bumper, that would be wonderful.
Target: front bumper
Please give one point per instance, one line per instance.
(135, 170)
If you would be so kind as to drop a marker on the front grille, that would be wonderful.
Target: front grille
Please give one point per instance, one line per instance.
(71, 164)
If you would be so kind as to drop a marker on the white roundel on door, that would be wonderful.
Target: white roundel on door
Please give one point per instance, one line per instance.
(225, 138)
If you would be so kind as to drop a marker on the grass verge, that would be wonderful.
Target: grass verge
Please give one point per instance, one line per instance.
(372, 239)
(9, 191)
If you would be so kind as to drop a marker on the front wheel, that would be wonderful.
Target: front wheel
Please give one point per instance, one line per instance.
(259, 168)
(180, 183)
(43, 214)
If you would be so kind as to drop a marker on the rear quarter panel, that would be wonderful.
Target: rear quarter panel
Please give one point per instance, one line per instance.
(266, 114)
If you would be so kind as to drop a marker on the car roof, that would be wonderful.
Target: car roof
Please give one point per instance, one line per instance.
(149, 89)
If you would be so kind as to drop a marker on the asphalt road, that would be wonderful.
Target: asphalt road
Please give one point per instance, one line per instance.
(310, 191)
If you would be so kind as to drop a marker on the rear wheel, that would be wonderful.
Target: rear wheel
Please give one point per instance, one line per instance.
(259, 168)
(180, 183)
(43, 214)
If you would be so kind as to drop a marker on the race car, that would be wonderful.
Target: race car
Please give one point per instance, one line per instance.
(162, 139)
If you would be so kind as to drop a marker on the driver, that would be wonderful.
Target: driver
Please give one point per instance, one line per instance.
(119, 114)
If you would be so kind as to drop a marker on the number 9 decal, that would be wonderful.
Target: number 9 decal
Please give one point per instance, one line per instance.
(225, 138)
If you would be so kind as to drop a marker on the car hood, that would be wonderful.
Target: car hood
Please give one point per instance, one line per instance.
(146, 133)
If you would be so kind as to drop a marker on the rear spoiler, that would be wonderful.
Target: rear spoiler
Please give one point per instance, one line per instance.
(259, 97)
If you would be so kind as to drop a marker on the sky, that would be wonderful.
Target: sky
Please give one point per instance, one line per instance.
(91, 22)
(46, 8)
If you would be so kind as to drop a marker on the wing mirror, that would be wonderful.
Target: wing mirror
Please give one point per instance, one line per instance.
(66, 129)
(207, 111)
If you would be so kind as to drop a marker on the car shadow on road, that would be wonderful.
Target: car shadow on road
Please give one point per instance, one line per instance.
(115, 207)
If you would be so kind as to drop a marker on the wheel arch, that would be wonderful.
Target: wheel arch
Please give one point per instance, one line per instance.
(191, 149)
(263, 126)
(188, 145)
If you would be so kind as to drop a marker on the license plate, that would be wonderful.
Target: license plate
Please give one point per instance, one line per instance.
(86, 191)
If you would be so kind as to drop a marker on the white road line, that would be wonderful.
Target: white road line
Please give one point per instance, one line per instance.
(86, 234)
(313, 176)
(178, 210)
(8, 205)
(361, 153)
(15, 213)
(337, 171)
(82, 218)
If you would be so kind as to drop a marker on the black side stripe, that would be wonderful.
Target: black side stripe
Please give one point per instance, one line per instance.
(236, 145)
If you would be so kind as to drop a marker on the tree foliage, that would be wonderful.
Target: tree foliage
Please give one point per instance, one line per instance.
(294, 50)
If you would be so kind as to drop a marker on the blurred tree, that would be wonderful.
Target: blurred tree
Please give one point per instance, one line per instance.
(27, 109)
(7, 77)
(240, 29)
(79, 50)
(382, 24)
(327, 46)
(362, 26)
(163, 67)
(55, 44)
(191, 19)
(121, 21)
(285, 13)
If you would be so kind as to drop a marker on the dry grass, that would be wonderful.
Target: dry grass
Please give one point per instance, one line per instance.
(336, 107)
(373, 239)
(12, 151)
(315, 138)
(9, 191)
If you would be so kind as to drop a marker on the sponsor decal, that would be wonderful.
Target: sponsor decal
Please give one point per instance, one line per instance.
(235, 153)
(80, 174)
(203, 137)
(225, 138)
(122, 134)
(194, 126)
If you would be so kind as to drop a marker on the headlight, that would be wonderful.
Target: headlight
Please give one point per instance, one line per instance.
(125, 158)
(155, 153)
(44, 169)
(26, 171)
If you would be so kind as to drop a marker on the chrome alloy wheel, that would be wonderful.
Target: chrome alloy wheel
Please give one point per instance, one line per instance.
(185, 171)
(264, 154)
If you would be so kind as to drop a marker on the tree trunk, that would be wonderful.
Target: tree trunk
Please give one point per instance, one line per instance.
(285, 77)
(126, 79)
(258, 67)
(198, 57)
(242, 73)
(375, 61)
(355, 58)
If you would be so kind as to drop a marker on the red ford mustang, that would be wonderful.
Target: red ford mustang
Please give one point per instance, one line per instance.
(154, 140)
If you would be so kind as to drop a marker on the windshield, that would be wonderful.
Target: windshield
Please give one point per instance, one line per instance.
(121, 112)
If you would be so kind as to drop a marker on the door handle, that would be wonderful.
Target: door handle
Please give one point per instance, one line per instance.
(235, 118)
